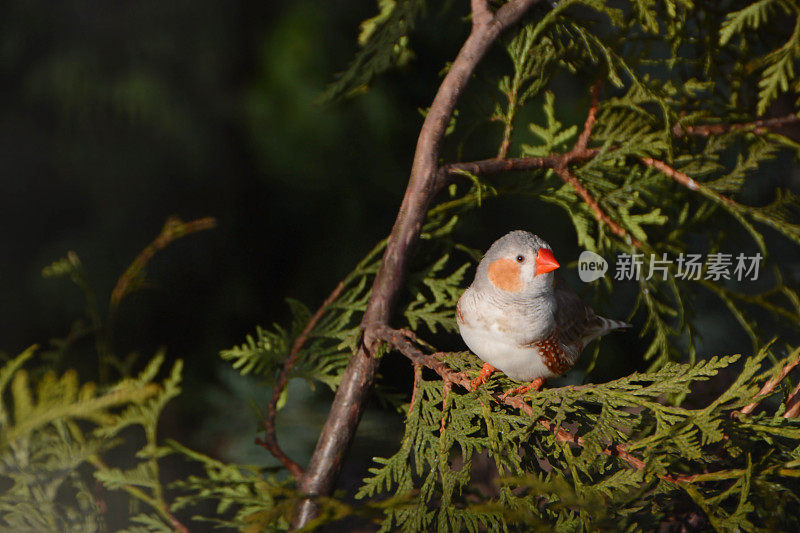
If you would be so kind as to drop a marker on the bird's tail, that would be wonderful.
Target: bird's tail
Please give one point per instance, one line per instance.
(600, 326)
(607, 325)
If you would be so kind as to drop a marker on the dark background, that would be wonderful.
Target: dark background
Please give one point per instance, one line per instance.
(116, 115)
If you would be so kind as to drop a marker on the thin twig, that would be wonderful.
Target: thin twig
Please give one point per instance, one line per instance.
(688, 182)
(599, 214)
(793, 403)
(447, 386)
(174, 228)
(415, 386)
(757, 126)
(399, 340)
(769, 386)
(270, 441)
(591, 116)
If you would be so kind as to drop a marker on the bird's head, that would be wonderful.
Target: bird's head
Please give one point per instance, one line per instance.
(519, 263)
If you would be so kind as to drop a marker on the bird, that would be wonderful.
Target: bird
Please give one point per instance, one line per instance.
(521, 317)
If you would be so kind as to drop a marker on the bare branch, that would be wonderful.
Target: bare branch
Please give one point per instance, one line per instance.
(599, 214)
(481, 12)
(423, 184)
(400, 341)
(591, 116)
(174, 228)
(758, 127)
(793, 403)
(487, 167)
(270, 441)
(688, 182)
(769, 386)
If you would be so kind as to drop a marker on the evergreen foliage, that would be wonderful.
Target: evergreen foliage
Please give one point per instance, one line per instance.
(55, 430)
(638, 452)
(674, 145)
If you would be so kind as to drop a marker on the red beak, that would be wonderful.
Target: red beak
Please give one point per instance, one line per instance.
(545, 261)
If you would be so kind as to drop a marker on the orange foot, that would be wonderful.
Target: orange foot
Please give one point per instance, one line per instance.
(485, 374)
(536, 384)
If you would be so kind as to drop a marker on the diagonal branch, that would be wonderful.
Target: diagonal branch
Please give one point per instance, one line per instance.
(769, 386)
(793, 403)
(348, 404)
(557, 162)
(270, 441)
(599, 214)
(688, 182)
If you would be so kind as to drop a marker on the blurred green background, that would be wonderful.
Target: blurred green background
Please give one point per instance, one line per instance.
(116, 115)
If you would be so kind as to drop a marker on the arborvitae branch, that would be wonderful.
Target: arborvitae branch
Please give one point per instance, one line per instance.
(270, 441)
(756, 126)
(770, 385)
(174, 228)
(599, 214)
(401, 342)
(686, 181)
(591, 117)
(334, 440)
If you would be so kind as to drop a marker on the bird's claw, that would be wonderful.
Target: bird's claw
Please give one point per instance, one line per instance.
(485, 374)
(536, 385)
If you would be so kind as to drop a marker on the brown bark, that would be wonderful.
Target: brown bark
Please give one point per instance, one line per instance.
(424, 182)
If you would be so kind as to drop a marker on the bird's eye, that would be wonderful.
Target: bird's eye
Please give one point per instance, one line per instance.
(520, 259)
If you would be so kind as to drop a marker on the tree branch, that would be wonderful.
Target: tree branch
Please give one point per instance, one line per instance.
(769, 386)
(688, 182)
(599, 214)
(426, 179)
(557, 162)
(401, 342)
(793, 403)
(487, 167)
(757, 127)
(270, 441)
(423, 184)
(583, 140)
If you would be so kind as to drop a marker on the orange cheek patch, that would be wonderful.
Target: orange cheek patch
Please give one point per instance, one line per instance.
(505, 274)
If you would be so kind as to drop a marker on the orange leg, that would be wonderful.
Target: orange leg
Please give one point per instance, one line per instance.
(485, 374)
(536, 384)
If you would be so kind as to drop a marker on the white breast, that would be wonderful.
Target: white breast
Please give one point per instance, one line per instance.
(517, 362)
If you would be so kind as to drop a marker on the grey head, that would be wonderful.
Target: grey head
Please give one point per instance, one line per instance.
(518, 265)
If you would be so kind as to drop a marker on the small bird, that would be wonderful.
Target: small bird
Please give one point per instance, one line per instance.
(520, 317)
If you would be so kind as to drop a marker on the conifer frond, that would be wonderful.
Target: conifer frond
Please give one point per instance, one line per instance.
(384, 42)
(52, 427)
(432, 465)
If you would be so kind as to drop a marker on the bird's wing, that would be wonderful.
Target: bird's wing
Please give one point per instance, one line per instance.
(575, 321)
